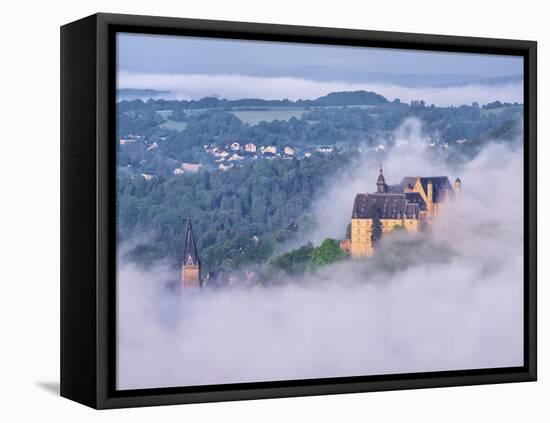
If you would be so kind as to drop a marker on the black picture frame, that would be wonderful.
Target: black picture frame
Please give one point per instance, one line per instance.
(88, 350)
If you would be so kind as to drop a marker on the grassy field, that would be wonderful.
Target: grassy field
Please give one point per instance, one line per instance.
(171, 124)
(164, 113)
(248, 115)
(253, 117)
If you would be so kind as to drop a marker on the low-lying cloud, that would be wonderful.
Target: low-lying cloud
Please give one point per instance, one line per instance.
(451, 299)
(234, 86)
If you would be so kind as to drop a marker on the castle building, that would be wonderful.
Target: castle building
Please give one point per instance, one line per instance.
(191, 265)
(409, 205)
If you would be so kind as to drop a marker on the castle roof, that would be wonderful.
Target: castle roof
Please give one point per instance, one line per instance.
(416, 198)
(190, 256)
(441, 186)
(387, 206)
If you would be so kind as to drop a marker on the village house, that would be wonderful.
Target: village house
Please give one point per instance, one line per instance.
(250, 148)
(124, 141)
(235, 157)
(225, 167)
(191, 167)
(269, 149)
(289, 151)
(220, 153)
(147, 176)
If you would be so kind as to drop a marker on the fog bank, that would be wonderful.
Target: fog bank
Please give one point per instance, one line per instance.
(451, 299)
(235, 86)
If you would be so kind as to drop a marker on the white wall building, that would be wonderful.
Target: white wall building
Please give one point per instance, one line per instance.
(289, 151)
(235, 157)
(152, 146)
(269, 149)
(250, 148)
(223, 167)
(191, 167)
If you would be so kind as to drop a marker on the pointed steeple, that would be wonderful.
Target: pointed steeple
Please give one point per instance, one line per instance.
(190, 266)
(458, 186)
(381, 186)
(190, 256)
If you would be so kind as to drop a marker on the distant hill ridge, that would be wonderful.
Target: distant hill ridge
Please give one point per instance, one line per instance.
(339, 98)
(351, 98)
(140, 92)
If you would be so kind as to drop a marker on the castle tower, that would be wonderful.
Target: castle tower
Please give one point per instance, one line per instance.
(190, 266)
(458, 186)
(381, 186)
(430, 198)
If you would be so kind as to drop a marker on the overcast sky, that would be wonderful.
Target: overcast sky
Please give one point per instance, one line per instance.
(142, 57)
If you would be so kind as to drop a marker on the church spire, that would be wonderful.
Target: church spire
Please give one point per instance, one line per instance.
(190, 256)
(458, 185)
(381, 186)
(190, 266)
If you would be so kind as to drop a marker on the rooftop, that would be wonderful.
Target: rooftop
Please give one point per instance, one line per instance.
(386, 205)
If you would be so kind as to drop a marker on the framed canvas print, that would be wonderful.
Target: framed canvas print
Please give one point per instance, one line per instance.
(256, 211)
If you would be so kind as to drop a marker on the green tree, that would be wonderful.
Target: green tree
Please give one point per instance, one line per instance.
(328, 252)
(295, 261)
(376, 231)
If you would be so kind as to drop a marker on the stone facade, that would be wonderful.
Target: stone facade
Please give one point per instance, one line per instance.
(409, 206)
(190, 276)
